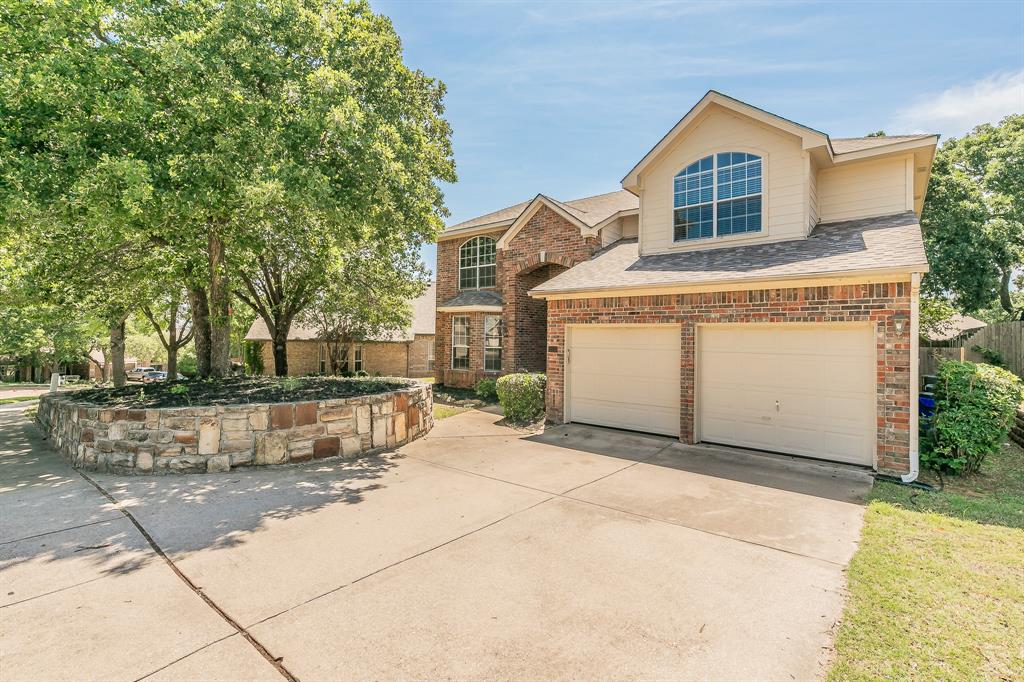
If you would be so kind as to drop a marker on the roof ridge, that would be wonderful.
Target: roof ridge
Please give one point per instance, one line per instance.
(882, 137)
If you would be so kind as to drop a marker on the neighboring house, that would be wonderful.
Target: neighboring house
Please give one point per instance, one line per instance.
(754, 283)
(407, 353)
(954, 330)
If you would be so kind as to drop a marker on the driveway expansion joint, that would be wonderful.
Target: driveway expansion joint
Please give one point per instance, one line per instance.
(262, 650)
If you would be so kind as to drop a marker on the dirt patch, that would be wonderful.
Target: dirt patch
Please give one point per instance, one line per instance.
(236, 390)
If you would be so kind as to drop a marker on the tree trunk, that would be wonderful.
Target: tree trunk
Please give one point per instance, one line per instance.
(280, 357)
(220, 310)
(172, 341)
(1004, 295)
(201, 326)
(117, 354)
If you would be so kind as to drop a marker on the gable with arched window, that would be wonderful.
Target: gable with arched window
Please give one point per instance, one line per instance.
(477, 268)
(717, 196)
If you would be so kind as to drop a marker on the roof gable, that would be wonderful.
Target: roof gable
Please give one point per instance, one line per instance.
(809, 137)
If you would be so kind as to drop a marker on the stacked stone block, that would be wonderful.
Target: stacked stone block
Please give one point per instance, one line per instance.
(221, 438)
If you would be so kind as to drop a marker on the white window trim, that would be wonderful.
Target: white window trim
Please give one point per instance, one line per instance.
(357, 358)
(477, 267)
(453, 346)
(499, 347)
(430, 356)
(715, 200)
(322, 359)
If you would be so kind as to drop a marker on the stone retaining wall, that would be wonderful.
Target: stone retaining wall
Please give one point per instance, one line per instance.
(210, 439)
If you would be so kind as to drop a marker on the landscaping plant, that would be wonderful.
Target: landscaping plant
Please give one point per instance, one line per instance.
(522, 396)
(974, 410)
(486, 389)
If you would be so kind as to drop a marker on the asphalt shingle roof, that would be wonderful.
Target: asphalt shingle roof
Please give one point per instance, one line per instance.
(867, 244)
(423, 318)
(588, 210)
(473, 297)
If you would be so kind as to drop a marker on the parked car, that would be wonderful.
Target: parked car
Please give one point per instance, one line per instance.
(150, 377)
(138, 373)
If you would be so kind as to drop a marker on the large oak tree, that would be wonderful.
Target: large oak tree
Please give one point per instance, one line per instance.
(211, 125)
(973, 219)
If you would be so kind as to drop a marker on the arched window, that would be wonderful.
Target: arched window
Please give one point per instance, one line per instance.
(717, 196)
(476, 263)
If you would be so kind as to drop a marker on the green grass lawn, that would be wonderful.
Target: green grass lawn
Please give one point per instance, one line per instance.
(18, 399)
(937, 585)
(445, 411)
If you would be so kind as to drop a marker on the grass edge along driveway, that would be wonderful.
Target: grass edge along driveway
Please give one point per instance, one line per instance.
(932, 597)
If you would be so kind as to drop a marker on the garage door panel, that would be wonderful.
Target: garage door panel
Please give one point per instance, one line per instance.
(822, 377)
(625, 377)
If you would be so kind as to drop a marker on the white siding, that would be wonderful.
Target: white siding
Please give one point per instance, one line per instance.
(863, 189)
(630, 225)
(612, 232)
(812, 197)
(620, 228)
(717, 131)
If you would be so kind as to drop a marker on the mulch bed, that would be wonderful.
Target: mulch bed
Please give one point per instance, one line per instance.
(235, 390)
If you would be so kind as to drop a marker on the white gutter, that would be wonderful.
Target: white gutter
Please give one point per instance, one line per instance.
(915, 380)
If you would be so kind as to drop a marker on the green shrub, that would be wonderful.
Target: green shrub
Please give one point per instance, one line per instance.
(522, 396)
(974, 410)
(252, 352)
(486, 389)
(991, 355)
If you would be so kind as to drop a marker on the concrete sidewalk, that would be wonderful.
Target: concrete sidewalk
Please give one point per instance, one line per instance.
(476, 552)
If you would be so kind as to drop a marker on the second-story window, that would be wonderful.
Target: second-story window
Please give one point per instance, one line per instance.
(717, 196)
(476, 263)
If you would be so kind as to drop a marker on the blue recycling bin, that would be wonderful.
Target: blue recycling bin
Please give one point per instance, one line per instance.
(926, 405)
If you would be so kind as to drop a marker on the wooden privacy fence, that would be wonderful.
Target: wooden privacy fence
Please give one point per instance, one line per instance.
(1007, 338)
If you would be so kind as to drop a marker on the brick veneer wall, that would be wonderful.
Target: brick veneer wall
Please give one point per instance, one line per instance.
(386, 359)
(221, 438)
(519, 267)
(418, 365)
(877, 303)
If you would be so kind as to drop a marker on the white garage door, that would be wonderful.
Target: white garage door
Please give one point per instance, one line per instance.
(626, 377)
(803, 390)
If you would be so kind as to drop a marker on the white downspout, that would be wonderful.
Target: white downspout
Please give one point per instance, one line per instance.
(915, 380)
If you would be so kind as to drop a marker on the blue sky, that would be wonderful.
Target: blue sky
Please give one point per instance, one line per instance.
(563, 98)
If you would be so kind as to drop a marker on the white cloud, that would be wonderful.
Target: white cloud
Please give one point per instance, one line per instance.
(958, 109)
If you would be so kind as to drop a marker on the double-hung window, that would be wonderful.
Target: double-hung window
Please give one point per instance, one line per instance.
(430, 357)
(477, 268)
(460, 342)
(717, 196)
(357, 360)
(324, 359)
(492, 343)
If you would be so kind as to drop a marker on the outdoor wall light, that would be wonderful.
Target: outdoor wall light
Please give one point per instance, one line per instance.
(900, 323)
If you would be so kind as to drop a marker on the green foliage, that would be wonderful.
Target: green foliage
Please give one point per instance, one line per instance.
(180, 390)
(991, 355)
(975, 408)
(522, 396)
(211, 139)
(253, 356)
(487, 389)
(973, 219)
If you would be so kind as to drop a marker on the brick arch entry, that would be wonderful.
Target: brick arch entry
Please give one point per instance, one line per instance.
(526, 317)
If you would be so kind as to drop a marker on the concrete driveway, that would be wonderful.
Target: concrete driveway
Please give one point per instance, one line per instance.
(477, 552)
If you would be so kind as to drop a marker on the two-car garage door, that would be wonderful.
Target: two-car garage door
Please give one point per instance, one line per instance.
(800, 389)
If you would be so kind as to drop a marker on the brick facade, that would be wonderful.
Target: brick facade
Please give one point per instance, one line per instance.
(876, 303)
(546, 245)
(398, 359)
